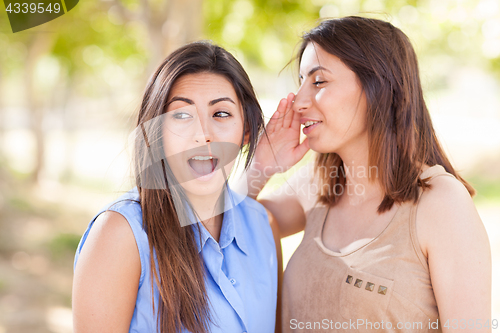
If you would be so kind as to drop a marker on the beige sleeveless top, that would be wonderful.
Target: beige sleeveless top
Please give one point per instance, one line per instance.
(382, 286)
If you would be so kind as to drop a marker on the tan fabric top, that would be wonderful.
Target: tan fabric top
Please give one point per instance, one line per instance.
(382, 286)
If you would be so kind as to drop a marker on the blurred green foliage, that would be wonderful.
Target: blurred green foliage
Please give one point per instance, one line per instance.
(488, 190)
(90, 26)
(21, 204)
(266, 32)
(445, 33)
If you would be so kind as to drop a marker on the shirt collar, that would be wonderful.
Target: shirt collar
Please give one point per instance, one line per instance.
(232, 224)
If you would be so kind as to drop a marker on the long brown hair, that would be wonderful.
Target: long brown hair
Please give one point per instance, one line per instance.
(179, 273)
(400, 131)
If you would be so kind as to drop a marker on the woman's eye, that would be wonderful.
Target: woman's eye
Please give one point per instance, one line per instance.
(317, 83)
(222, 114)
(181, 115)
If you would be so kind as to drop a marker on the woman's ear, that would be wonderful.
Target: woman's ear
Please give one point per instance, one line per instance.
(246, 137)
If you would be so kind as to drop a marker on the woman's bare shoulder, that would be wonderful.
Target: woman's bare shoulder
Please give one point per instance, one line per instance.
(446, 212)
(110, 227)
(106, 276)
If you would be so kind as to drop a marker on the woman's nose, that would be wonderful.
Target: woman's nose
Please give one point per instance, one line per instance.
(302, 101)
(203, 132)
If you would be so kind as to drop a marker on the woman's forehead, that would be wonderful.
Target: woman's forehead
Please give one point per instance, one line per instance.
(315, 57)
(206, 81)
(201, 88)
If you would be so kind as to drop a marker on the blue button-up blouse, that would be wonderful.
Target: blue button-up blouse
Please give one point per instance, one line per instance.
(240, 269)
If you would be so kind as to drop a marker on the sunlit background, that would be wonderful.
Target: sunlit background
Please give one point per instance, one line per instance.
(69, 91)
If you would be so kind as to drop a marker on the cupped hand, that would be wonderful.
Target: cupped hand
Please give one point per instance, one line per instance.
(280, 149)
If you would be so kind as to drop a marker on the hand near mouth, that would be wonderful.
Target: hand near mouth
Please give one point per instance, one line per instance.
(281, 148)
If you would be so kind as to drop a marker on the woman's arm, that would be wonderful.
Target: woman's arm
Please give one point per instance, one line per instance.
(276, 153)
(106, 277)
(291, 201)
(279, 254)
(455, 242)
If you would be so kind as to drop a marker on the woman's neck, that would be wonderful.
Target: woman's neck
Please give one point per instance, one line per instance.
(214, 226)
(362, 179)
(210, 211)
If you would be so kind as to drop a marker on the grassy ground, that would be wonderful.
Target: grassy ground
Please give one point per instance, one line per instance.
(38, 239)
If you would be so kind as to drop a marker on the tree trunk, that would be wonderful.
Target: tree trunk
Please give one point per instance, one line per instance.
(178, 22)
(2, 118)
(38, 46)
(170, 24)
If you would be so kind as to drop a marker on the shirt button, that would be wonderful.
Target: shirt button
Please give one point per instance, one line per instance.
(233, 282)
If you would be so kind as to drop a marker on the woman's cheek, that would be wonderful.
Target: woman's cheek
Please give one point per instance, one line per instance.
(174, 144)
(232, 134)
(321, 95)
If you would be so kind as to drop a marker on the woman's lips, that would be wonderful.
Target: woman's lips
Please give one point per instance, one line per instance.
(203, 168)
(310, 128)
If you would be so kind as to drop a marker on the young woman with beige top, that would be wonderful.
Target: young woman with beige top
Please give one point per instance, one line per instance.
(392, 241)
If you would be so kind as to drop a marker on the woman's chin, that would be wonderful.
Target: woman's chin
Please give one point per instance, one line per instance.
(203, 188)
(321, 147)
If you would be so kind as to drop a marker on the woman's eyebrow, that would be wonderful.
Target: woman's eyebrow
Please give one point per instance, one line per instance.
(222, 99)
(317, 68)
(313, 70)
(182, 99)
(189, 101)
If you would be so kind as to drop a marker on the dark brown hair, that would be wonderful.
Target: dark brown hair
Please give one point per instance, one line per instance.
(401, 135)
(179, 273)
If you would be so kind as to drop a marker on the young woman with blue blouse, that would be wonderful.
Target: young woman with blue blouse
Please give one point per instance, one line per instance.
(182, 252)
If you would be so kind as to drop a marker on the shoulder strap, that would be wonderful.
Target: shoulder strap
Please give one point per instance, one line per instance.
(432, 172)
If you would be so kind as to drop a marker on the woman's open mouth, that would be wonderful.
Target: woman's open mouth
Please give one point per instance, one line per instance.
(309, 126)
(203, 166)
